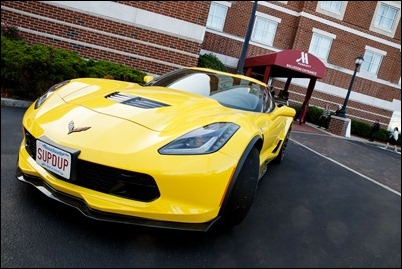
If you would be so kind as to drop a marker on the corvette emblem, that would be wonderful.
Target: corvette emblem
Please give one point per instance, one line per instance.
(72, 129)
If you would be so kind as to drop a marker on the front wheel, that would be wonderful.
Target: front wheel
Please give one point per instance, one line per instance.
(243, 192)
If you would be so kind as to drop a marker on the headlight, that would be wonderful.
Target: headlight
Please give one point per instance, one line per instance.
(207, 139)
(49, 92)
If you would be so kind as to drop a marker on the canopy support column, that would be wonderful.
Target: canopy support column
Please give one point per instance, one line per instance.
(266, 74)
(304, 108)
(287, 84)
(249, 71)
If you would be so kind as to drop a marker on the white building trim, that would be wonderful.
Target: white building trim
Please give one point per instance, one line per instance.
(144, 19)
(324, 33)
(153, 45)
(382, 52)
(72, 41)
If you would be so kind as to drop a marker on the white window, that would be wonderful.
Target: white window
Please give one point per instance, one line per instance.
(332, 6)
(335, 9)
(217, 16)
(372, 62)
(386, 17)
(264, 31)
(320, 44)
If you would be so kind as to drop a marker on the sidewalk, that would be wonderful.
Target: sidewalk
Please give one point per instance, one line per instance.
(312, 128)
(15, 103)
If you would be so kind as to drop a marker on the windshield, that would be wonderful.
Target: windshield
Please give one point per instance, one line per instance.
(227, 90)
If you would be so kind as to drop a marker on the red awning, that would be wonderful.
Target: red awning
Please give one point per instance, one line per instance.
(288, 63)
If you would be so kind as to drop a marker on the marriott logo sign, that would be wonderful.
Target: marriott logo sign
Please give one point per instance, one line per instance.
(303, 60)
(302, 65)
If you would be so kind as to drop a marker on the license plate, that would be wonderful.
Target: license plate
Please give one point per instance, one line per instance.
(53, 159)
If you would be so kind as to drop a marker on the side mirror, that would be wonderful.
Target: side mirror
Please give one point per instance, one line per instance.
(285, 111)
(148, 78)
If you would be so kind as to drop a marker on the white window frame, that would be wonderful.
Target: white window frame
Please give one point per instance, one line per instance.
(337, 14)
(369, 66)
(269, 21)
(211, 23)
(322, 35)
(381, 30)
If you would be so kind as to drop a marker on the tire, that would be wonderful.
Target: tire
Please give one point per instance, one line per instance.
(243, 192)
(281, 155)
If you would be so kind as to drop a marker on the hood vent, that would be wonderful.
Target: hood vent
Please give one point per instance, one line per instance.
(133, 100)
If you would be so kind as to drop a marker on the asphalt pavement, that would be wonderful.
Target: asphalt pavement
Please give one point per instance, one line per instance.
(334, 203)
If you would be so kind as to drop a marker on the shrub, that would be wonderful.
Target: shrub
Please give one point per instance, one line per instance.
(360, 128)
(11, 51)
(363, 129)
(27, 71)
(384, 135)
(10, 31)
(211, 61)
(313, 114)
(104, 69)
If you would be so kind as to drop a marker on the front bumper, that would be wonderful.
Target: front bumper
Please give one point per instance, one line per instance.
(190, 198)
(80, 204)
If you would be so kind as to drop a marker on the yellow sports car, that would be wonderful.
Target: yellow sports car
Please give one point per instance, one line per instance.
(183, 151)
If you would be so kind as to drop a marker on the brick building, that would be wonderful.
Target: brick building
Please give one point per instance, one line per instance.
(159, 36)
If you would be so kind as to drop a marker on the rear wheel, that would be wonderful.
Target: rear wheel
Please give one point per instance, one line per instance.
(281, 155)
(243, 192)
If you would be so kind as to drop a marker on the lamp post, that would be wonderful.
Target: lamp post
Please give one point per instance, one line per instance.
(242, 58)
(358, 61)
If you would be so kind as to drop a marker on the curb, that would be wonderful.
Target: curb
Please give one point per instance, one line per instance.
(15, 103)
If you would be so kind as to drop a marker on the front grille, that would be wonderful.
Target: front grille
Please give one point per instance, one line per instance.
(105, 179)
(115, 181)
(30, 144)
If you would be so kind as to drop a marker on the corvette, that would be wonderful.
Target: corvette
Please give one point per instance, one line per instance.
(186, 150)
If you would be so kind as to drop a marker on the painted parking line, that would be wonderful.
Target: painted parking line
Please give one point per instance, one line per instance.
(348, 168)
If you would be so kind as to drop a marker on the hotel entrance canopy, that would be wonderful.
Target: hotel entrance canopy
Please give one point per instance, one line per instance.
(288, 64)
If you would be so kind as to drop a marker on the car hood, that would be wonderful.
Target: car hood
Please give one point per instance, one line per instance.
(156, 108)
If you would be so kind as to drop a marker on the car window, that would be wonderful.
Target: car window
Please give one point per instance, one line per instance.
(240, 98)
(199, 83)
(227, 90)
